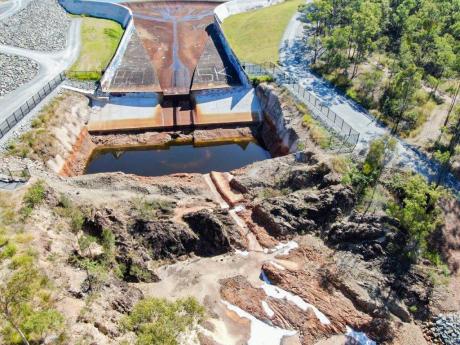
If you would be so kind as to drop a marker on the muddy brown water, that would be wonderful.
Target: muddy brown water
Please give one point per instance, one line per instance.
(187, 158)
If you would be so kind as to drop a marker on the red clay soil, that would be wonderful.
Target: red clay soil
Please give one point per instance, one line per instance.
(75, 163)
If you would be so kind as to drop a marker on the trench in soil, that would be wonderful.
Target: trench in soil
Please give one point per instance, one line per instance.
(176, 158)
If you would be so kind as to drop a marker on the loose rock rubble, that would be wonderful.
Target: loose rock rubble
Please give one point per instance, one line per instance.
(42, 25)
(447, 328)
(15, 71)
(87, 85)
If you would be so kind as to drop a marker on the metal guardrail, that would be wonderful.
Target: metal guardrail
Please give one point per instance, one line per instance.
(20, 113)
(342, 130)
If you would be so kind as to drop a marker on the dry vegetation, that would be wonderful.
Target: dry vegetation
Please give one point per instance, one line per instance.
(41, 142)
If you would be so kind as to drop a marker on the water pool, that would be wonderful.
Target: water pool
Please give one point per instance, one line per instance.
(175, 159)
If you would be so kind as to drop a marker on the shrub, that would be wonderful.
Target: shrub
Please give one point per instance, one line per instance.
(7, 250)
(256, 80)
(158, 321)
(108, 243)
(22, 260)
(341, 164)
(35, 194)
(26, 305)
(33, 197)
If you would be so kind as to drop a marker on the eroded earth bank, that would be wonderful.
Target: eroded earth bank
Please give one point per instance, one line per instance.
(278, 252)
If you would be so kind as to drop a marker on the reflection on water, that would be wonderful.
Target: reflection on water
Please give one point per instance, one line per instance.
(176, 159)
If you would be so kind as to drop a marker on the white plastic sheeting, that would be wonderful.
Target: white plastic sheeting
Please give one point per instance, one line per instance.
(359, 337)
(268, 311)
(261, 332)
(278, 293)
(284, 248)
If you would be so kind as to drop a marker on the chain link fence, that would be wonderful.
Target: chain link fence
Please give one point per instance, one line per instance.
(12, 120)
(331, 120)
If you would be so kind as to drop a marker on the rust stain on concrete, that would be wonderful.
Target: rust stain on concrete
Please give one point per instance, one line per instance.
(175, 49)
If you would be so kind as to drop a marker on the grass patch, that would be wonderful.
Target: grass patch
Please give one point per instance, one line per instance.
(261, 28)
(100, 39)
(152, 209)
(318, 133)
(268, 193)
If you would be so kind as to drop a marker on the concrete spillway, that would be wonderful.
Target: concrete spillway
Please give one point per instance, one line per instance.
(173, 49)
(173, 70)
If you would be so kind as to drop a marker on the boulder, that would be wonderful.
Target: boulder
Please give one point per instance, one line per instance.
(304, 210)
(165, 239)
(217, 232)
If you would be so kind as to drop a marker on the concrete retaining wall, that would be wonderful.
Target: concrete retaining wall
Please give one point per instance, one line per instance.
(232, 7)
(106, 10)
(228, 9)
(116, 60)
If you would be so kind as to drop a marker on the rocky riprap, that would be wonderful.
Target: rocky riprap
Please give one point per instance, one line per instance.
(88, 85)
(447, 328)
(42, 25)
(15, 71)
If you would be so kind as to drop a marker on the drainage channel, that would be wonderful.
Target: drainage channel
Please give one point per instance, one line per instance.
(219, 184)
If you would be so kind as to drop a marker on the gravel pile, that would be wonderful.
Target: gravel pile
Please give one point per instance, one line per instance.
(15, 71)
(448, 328)
(42, 25)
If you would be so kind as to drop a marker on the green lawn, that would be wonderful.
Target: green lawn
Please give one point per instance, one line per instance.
(255, 36)
(100, 38)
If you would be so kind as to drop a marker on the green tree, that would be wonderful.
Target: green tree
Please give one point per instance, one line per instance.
(417, 210)
(317, 13)
(369, 82)
(365, 27)
(380, 153)
(335, 45)
(400, 95)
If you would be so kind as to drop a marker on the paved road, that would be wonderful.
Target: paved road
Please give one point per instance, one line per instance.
(51, 64)
(295, 58)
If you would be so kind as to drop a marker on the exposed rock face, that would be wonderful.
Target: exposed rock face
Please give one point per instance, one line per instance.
(165, 239)
(304, 210)
(369, 235)
(208, 233)
(126, 298)
(307, 283)
(217, 232)
(277, 133)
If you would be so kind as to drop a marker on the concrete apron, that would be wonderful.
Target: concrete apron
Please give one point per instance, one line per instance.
(138, 111)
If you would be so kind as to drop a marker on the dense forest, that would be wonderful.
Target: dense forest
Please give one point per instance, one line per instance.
(395, 57)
